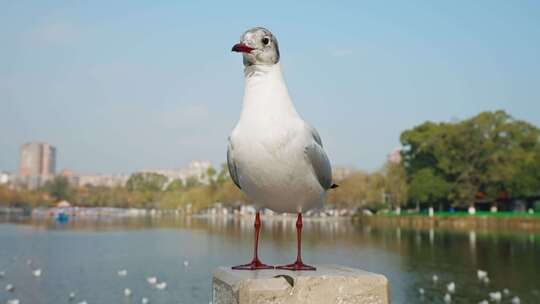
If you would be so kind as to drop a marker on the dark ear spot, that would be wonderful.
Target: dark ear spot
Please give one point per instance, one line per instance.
(277, 49)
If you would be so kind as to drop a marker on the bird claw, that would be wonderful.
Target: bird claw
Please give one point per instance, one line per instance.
(296, 266)
(254, 265)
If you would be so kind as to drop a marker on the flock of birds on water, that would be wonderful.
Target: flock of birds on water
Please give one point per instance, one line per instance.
(72, 296)
(494, 296)
(153, 281)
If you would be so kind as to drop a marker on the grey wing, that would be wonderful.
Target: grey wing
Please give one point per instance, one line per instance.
(318, 159)
(233, 171)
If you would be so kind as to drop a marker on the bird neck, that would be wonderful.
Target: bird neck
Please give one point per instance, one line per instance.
(265, 93)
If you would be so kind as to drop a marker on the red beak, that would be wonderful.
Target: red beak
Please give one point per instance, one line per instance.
(241, 48)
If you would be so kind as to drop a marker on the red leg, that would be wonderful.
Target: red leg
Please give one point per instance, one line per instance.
(298, 265)
(255, 263)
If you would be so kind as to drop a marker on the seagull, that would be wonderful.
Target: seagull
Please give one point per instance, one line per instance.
(447, 298)
(274, 156)
(186, 263)
(483, 302)
(451, 287)
(421, 291)
(37, 272)
(2, 274)
(127, 292)
(13, 301)
(83, 302)
(71, 296)
(435, 278)
(516, 300)
(481, 274)
(161, 285)
(151, 280)
(495, 296)
(144, 301)
(506, 291)
(122, 273)
(10, 287)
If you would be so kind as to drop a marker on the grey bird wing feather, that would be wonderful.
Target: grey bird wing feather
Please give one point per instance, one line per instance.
(318, 159)
(233, 171)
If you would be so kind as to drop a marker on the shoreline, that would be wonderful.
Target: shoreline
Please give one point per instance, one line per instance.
(494, 222)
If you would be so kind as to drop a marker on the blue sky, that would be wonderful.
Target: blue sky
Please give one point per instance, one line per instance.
(119, 86)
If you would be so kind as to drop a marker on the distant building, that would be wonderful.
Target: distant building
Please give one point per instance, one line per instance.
(395, 156)
(72, 178)
(197, 169)
(103, 180)
(37, 159)
(37, 164)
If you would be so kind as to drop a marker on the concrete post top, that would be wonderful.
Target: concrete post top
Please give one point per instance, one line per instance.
(328, 284)
(230, 276)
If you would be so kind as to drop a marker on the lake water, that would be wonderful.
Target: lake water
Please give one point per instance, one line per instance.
(85, 256)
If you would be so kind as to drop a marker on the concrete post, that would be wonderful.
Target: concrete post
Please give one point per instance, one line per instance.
(329, 284)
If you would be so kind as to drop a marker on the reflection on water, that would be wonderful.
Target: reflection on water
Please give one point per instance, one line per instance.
(85, 255)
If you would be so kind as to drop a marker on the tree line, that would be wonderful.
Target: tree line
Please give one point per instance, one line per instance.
(142, 190)
(488, 157)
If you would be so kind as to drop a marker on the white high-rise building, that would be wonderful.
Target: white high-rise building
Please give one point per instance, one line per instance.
(37, 163)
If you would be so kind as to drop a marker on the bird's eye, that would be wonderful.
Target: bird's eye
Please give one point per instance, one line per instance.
(265, 41)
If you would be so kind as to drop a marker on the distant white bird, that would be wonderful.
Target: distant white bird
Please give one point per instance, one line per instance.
(72, 295)
(421, 291)
(495, 296)
(506, 291)
(451, 287)
(516, 300)
(122, 273)
(161, 285)
(186, 263)
(435, 278)
(13, 301)
(447, 298)
(2, 274)
(144, 301)
(83, 302)
(481, 274)
(486, 280)
(274, 156)
(127, 292)
(10, 287)
(37, 272)
(151, 280)
(483, 302)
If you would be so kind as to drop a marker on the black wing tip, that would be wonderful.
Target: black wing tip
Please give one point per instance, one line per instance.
(334, 186)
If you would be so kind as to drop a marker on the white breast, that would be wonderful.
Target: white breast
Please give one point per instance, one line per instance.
(269, 143)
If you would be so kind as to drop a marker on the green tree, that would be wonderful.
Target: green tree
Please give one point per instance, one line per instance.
(223, 174)
(211, 172)
(427, 187)
(59, 188)
(146, 181)
(488, 153)
(192, 181)
(395, 183)
(176, 185)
